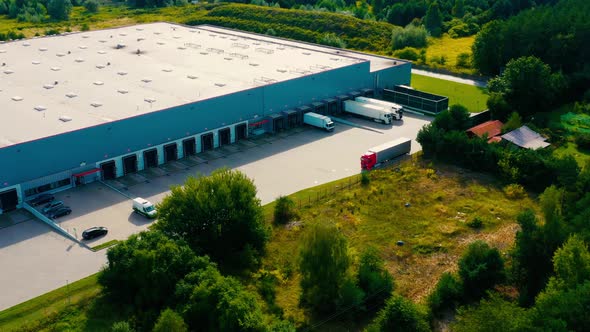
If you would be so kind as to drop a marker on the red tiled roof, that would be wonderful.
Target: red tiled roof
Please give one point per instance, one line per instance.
(492, 128)
(495, 139)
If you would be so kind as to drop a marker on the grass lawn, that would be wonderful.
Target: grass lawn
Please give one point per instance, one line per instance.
(105, 245)
(449, 48)
(472, 97)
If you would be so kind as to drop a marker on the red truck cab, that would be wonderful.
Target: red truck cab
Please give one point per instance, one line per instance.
(368, 160)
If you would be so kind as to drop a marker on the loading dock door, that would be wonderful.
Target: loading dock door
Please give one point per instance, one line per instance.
(109, 170)
(241, 131)
(292, 118)
(224, 136)
(130, 164)
(8, 200)
(189, 146)
(150, 158)
(331, 106)
(207, 142)
(170, 152)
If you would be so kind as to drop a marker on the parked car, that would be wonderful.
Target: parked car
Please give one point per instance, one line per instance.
(59, 212)
(51, 206)
(94, 232)
(41, 199)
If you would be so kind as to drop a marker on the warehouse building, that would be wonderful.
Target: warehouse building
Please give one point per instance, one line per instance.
(97, 105)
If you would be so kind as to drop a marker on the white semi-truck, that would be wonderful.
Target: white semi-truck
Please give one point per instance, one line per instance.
(318, 121)
(396, 109)
(385, 152)
(375, 112)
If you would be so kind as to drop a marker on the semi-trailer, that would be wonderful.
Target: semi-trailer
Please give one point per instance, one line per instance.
(384, 152)
(375, 112)
(396, 109)
(318, 121)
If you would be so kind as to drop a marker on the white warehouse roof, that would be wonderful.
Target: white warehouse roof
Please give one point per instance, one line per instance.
(57, 84)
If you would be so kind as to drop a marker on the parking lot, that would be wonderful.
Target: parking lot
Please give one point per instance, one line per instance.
(279, 165)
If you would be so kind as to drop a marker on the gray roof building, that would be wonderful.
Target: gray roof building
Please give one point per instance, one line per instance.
(526, 138)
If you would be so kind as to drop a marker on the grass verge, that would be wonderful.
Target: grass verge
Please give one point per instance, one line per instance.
(105, 245)
(472, 97)
(45, 306)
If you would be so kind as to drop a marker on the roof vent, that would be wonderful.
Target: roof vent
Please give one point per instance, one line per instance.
(139, 29)
(306, 53)
(55, 68)
(334, 59)
(120, 46)
(71, 95)
(98, 83)
(2, 51)
(122, 73)
(122, 34)
(161, 43)
(26, 44)
(157, 32)
(181, 48)
(82, 47)
(253, 64)
(100, 66)
(85, 36)
(8, 71)
(42, 49)
(64, 118)
(122, 91)
(40, 108)
(102, 40)
(228, 58)
(17, 98)
(60, 54)
(176, 37)
(146, 80)
(192, 77)
(48, 86)
(167, 70)
(35, 62)
(101, 52)
(204, 53)
(96, 104)
(282, 70)
(220, 84)
(79, 60)
(150, 100)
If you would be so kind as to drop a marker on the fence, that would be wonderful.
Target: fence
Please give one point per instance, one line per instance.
(314, 195)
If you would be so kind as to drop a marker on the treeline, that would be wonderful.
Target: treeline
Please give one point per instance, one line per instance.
(558, 35)
(43, 10)
(302, 25)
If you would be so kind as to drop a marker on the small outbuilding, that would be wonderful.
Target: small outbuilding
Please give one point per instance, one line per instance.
(491, 128)
(526, 138)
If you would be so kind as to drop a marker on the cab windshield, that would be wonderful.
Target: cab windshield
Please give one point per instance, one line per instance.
(149, 208)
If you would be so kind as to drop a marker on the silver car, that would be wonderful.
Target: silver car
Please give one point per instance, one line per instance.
(51, 206)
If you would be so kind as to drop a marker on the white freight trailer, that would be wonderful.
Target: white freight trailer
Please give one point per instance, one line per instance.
(375, 112)
(384, 152)
(318, 120)
(396, 109)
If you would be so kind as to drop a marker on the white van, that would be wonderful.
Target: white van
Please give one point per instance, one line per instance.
(144, 207)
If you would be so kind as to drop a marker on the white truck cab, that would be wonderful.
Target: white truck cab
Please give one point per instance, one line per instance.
(144, 207)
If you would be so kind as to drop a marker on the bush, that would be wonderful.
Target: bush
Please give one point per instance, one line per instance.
(481, 268)
(476, 223)
(400, 314)
(374, 279)
(121, 327)
(463, 60)
(447, 294)
(91, 6)
(408, 53)
(331, 39)
(52, 32)
(583, 141)
(410, 36)
(514, 191)
(84, 27)
(59, 9)
(365, 178)
(170, 321)
(284, 210)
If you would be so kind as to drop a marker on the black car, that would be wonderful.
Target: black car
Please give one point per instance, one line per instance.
(42, 199)
(60, 212)
(94, 232)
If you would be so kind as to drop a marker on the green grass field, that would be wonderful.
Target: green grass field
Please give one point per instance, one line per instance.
(449, 48)
(472, 97)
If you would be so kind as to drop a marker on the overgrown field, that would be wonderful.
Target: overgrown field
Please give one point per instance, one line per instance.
(472, 97)
(434, 227)
(446, 50)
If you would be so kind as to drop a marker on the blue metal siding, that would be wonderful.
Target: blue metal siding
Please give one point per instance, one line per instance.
(35, 159)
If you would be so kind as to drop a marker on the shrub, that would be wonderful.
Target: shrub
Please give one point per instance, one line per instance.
(374, 279)
(410, 36)
(91, 6)
(121, 327)
(365, 179)
(284, 210)
(476, 223)
(463, 60)
(52, 32)
(583, 141)
(170, 321)
(514, 191)
(59, 9)
(408, 53)
(400, 314)
(446, 295)
(84, 27)
(331, 39)
(481, 268)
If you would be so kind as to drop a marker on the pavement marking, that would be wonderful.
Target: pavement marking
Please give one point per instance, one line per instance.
(352, 124)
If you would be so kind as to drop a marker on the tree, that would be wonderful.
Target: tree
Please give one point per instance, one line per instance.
(91, 6)
(121, 327)
(374, 279)
(400, 314)
(212, 302)
(433, 20)
(562, 309)
(59, 9)
(459, 8)
(514, 122)
(217, 215)
(487, 48)
(456, 118)
(447, 294)
(499, 108)
(491, 315)
(324, 262)
(480, 268)
(528, 85)
(571, 264)
(144, 270)
(170, 321)
(284, 210)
